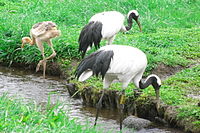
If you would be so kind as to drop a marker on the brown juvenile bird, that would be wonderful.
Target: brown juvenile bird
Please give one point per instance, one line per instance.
(42, 32)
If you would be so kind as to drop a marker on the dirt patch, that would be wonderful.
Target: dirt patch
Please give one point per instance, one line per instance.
(164, 71)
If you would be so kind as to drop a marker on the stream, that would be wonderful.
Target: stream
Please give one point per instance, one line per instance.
(31, 86)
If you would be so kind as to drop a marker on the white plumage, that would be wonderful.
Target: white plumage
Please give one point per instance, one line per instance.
(112, 23)
(127, 64)
(106, 25)
(118, 62)
(124, 66)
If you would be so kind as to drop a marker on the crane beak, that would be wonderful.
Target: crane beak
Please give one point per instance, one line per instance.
(22, 46)
(24, 41)
(138, 22)
(158, 97)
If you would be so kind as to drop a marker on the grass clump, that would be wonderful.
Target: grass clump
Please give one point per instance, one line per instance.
(16, 116)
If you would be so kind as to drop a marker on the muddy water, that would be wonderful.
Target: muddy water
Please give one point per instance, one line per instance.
(32, 87)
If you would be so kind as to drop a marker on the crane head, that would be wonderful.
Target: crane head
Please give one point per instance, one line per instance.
(25, 40)
(135, 15)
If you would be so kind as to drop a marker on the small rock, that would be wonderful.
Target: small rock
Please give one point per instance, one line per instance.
(72, 90)
(154, 130)
(136, 123)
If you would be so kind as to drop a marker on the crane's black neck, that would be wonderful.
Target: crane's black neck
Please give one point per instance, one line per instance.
(130, 20)
(130, 23)
(150, 81)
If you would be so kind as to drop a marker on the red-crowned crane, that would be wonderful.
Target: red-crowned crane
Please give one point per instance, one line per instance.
(42, 32)
(118, 62)
(105, 25)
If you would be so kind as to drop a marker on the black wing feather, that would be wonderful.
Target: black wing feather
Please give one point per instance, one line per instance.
(98, 62)
(90, 34)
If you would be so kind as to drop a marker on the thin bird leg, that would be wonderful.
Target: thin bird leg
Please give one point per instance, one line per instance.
(121, 106)
(41, 48)
(51, 56)
(54, 53)
(99, 105)
(44, 67)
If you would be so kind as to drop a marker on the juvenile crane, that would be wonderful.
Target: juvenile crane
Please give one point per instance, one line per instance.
(118, 62)
(105, 25)
(39, 33)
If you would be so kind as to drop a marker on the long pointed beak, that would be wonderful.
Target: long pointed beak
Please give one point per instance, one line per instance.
(138, 22)
(158, 98)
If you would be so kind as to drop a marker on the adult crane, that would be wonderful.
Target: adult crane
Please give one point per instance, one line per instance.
(118, 62)
(105, 25)
(39, 33)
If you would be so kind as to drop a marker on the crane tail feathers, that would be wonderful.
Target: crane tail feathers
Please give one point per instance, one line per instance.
(90, 34)
(85, 75)
(96, 64)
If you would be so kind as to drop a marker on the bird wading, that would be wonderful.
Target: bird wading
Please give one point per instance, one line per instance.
(39, 33)
(118, 62)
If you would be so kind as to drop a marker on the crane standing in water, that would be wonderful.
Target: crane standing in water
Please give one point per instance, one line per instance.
(118, 62)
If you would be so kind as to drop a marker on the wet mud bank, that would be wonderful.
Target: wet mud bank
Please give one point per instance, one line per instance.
(142, 107)
(52, 69)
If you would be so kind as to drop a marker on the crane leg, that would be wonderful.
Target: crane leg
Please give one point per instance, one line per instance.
(99, 105)
(44, 68)
(54, 53)
(121, 106)
(43, 61)
(47, 58)
(38, 65)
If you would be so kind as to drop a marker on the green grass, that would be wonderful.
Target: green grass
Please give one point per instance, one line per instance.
(170, 28)
(171, 36)
(178, 89)
(16, 116)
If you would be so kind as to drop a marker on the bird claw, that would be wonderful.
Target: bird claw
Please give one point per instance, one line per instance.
(38, 66)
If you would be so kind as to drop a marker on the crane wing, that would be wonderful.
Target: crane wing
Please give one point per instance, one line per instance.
(85, 75)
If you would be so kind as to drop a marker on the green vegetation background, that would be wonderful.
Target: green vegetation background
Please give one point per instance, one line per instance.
(171, 36)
